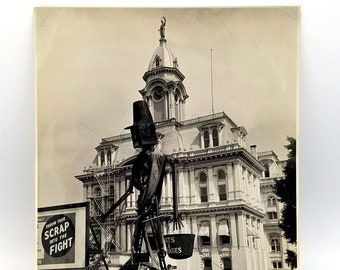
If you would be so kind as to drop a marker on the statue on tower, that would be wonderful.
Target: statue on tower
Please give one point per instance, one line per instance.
(162, 28)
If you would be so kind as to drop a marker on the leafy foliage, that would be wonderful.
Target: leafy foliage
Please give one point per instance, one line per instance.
(291, 259)
(286, 191)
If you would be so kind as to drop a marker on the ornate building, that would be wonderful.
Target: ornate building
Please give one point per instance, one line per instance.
(223, 197)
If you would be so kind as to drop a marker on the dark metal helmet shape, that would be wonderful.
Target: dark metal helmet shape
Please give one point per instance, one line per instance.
(143, 130)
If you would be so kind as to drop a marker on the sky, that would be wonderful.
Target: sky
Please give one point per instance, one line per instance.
(90, 63)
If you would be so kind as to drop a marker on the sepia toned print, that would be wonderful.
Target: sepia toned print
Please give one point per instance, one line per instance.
(221, 86)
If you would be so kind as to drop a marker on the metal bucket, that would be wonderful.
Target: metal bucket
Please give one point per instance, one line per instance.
(179, 246)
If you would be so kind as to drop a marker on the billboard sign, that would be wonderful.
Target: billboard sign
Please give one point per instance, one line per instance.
(62, 236)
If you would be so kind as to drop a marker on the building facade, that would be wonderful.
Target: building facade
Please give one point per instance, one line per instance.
(225, 195)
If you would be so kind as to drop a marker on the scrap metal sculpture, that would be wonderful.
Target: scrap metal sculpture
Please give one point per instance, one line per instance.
(147, 176)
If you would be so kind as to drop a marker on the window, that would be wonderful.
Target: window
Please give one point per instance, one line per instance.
(203, 187)
(226, 264)
(97, 192)
(215, 136)
(221, 184)
(272, 215)
(112, 190)
(271, 201)
(266, 170)
(223, 232)
(275, 244)
(207, 264)
(205, 240)
(108, 157)
(157, 60)
(102, 158)
(206, 138)
(204, 233)
(277, 265)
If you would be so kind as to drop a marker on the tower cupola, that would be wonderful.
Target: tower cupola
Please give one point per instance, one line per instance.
(164, 92)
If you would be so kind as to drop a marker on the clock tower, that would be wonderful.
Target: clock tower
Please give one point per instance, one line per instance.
(164, 91)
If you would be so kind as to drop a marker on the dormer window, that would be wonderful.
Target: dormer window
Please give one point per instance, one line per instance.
(102, 158)
(215, 136)
(210, 135)
(266, 170)
(206, 138)
(158, 61)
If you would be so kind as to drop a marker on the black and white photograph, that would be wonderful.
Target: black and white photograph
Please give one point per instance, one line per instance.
(176, 128)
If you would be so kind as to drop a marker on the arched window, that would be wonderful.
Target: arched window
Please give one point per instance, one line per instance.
(266, 170)
(275, 244)
(221, 184)
(226, 264)
(203, 186)
(271, 201)
(206, 138)
(108, 157)
(215, 136)
(102, 158)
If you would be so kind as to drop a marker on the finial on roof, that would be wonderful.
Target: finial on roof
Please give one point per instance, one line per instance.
(162, 29)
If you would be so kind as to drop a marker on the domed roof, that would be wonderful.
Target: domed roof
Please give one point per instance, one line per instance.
(163, 57)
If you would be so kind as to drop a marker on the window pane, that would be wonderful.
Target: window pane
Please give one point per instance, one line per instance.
(226, 264)
(203, 177)
(222, 192)
(225, 239)
(102, 158)
(206, 138)
(215, 137)
(205, 240)
(220, 175)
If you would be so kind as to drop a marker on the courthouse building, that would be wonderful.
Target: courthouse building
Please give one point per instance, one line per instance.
(226, 195)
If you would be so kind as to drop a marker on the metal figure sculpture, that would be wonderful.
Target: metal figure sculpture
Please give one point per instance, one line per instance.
(147, 176)
(162, 28)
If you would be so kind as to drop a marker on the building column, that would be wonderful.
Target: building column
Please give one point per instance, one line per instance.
(238, 180)
(183, 110)
(211, 186)
(105, 156)
(166, 105)
(98, 159)
(123, 236)
(233, 231)
(169, 188)
(213, 231)
(164, 189)
(214, 243)
(202, 139)
(128, 236)
(210, 138)
(194, 230)
(186, 185)
(172, 107)
(181, 187)
(193, 192)
(230, 182)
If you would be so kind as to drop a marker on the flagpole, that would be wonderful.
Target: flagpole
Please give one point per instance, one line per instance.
(211, 83)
